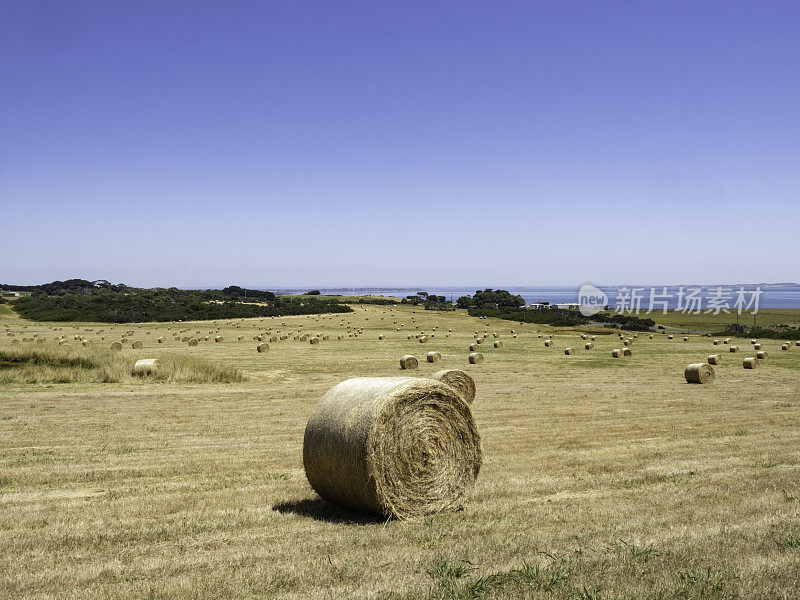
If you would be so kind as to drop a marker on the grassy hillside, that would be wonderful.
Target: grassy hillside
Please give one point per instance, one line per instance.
(602, 477)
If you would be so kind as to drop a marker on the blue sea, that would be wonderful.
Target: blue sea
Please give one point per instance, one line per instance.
(673, 297)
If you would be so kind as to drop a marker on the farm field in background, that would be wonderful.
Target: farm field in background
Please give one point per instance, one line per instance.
(602, 477)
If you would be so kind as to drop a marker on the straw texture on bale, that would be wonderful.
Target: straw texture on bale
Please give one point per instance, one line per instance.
(459, 380)
(314, 340)
(714, 359)
(408, 362)
(433, 357)
(761, 354)
(498, 344)
(750, 363)
(397, 447)
(137, 345)
(785, 347)
(547, 343)
(616, 353)
(734, 348)
(756, 346)
(699, 373)
(116, 346)
(263, 347)
(475, 358)
(193, 342)
(626, 352)
(569, 351)
(588, 345)
(146, 366)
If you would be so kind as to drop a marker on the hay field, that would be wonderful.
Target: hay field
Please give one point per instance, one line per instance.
(602, 477)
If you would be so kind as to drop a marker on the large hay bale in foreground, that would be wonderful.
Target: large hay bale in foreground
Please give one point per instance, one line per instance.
(408, 362)
(433, 357)
(475, 358)
(396, 447)
(459, 381)
(750, 363)
(146, 366)
(714, 359)
(699, 373)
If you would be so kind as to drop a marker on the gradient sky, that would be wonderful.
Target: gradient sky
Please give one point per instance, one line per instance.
(403, 143)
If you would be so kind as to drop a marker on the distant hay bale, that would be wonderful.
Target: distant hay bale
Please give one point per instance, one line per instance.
(397, 447)
(314, 340)
(785, 347)
(84, 343)
(475, 358)
(479, 340)
(584, 336)
(761, 354)
(652, 336)
(116, 346)
(193, 342)
(593, 338)
(699, 373)
(459, 381)
(588, 346)
(685, 339)
(240, 338)
(380, 337)
(160, 340)
(726, 341)
(14, 342)
(734, 348)
(473, 347)
(41, 341)
(423, 339)
(274, 339)
(750, 363)
(433, 357)
(408, 362)
(569, 351)
(146, 366)
(627, 351)
(756, 346)
(616, 353)
(548, 343)
(185, 339)
(137, 345)
(716, 342)
(498, 344)
(264, 347)
(714, 359)
(753, 341)
(670, 337)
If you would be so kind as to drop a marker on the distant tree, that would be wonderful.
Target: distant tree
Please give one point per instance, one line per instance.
(313, 293)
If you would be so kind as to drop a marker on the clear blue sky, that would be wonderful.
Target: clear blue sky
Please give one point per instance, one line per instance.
(420, 143)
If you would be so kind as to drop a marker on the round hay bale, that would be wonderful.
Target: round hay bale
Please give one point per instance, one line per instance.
(716, 342)
(263, 347)
(380, 337)
(146, 366)
(137, 345)
(714, 359)
(753, 341)
(699, 373)
(616, 353)
(750, 363)
(473, 347)
(479, 341)
(193, 342)
(433, 357)
(240, 338)
(160, 340)
(548, 343)
(734, 348)
(569, 351)
(116, 346)
(423, 339)
(652, 336)
(670, 337)
(408, 362)
(626, 351)
(588, 346)
(756, 346)
(397, 447)
(458, 380)
(475, 358)
(498, 344)
(797, 343)
(584, 336)
(218, 338)
(685, 339)
(761, 354)
(14, 342)
(84, 343)
(314, 340)
(726, 341)
(41, 341)
(785, 347)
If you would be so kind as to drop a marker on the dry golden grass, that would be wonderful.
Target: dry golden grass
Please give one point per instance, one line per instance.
(602, 477)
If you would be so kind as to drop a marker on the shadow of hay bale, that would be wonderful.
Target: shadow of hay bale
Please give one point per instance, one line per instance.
(320, 510)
